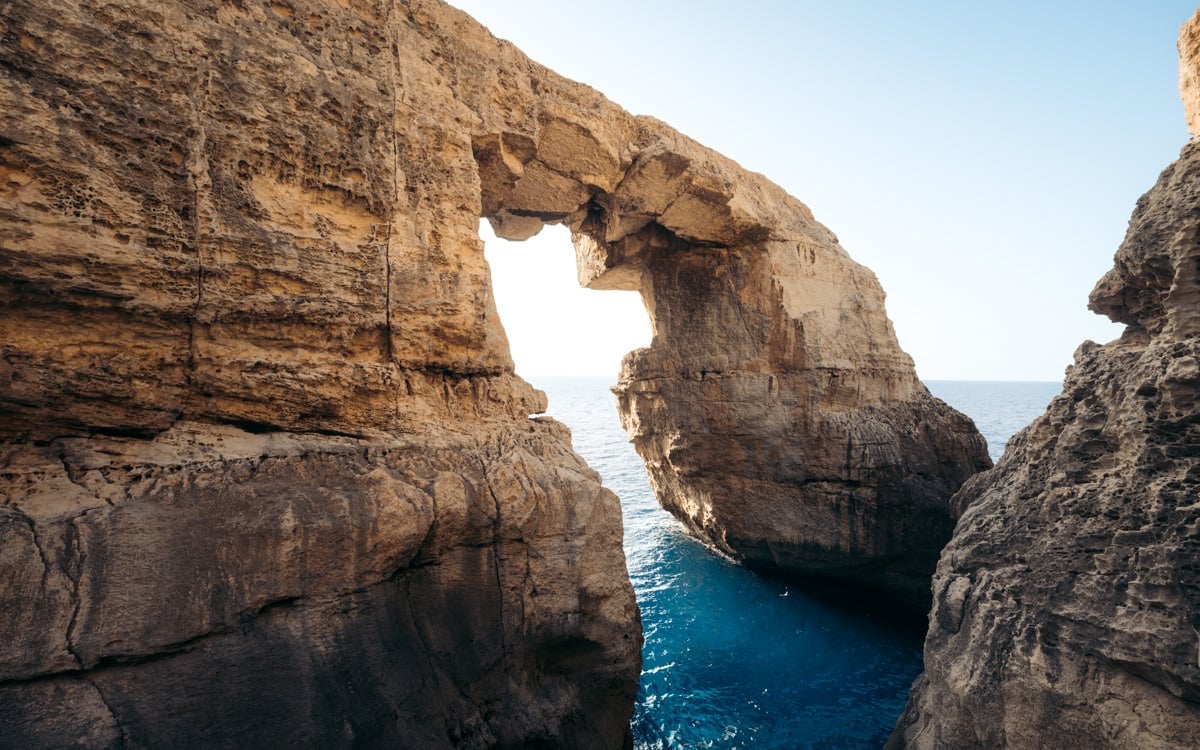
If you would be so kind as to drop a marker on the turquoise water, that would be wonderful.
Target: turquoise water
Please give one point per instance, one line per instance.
(733, 659)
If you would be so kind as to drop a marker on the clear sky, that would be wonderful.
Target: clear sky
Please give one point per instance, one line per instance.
(981, 158)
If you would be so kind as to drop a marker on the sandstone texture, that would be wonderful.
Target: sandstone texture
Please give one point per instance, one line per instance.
(1189, 73)
(776, 413)
(802, 441)
(1068, 602)
(266, 475)
(215, 588)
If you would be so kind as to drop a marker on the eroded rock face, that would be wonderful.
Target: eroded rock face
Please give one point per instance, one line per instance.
(775, 411)
(802, 441)
(212, 587)
(1189, 73)
(266, 474)
(1067, 603)
(260, 429)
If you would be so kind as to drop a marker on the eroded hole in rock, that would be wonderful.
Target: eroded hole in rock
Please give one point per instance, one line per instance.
(555, 327)
(707, 669)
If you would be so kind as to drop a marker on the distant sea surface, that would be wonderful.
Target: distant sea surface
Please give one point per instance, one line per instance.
(734, 659)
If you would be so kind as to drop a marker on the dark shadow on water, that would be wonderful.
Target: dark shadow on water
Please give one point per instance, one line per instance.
(857, 599)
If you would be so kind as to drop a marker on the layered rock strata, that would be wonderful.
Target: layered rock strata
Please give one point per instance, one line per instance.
(211, 587)
(266, 474)
(776, 413)
(260, 430)
(801, 441)
(1067, 603)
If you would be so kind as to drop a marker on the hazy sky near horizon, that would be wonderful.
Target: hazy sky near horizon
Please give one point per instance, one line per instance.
(982, 158)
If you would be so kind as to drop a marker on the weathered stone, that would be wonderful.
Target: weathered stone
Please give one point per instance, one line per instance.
(801, 439)
(267, 472)
(1067, 603)
(777, 415)
(216, 587)
(267, 475)
(1189, 73)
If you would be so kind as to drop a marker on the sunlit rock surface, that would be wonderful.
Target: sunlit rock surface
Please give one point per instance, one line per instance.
(1067, 604)
(775, 411)
(267, 477)
(1189, 73)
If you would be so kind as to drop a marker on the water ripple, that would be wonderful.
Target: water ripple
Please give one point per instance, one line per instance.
(733, 659)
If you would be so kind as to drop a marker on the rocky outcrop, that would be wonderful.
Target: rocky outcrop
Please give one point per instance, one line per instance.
(1189, 73)
(800, 440)
(1068, 602)
(266, 475)
(212, 587)
(775, 411)
(267, 472)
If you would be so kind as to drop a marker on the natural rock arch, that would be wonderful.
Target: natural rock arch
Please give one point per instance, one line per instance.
(258, 416)
(777, 415)
(555, 327)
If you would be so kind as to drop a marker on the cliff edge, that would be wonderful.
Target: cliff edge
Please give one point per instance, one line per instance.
(267, 475)
(1067, 603)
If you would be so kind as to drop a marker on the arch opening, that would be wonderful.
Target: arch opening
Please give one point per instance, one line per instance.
(554, 326)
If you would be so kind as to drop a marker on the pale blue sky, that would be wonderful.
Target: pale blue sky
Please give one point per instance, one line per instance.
(981, 158)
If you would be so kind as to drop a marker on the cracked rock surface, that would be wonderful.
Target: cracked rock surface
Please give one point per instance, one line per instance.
(216, 587)
(266, 475)
(267, 472)
(1067, 604)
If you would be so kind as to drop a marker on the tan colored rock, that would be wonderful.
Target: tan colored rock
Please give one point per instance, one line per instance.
(257, 413)
(267, 475)
(1066, 605)
(1189, 73)
(777, 415)
(217, 587)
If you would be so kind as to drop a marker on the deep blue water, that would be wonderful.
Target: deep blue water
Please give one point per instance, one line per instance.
(733, 659)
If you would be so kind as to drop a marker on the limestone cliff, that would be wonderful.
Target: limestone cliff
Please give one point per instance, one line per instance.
(776, 413)
(1068, 601)
(267, 473)
(1189, 73)
(800, 439)
(212, 587)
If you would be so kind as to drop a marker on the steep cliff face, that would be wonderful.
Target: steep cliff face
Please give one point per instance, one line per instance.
(267, 476)
(211, 587)
(1189, 73)
(802, 442)
(777, 415)
(775, 411)
(267, 471)
(1068, 602)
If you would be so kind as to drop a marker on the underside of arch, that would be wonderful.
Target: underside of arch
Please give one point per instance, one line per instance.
(776, 413)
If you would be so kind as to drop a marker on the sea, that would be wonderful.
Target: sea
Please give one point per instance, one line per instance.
(734, 659)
